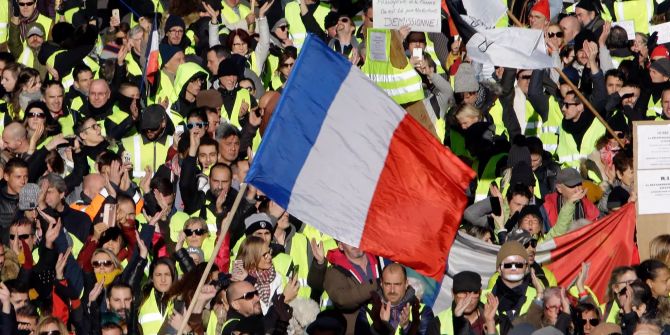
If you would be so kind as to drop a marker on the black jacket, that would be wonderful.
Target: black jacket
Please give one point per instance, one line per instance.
(8, 207)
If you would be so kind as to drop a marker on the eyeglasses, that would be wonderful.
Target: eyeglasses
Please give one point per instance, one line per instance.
(531, 243)
(37, 115)
(552, 34)
(26, 4)
(21, 237)
(248, 295)
(106, 263)
(288, 65)
(176, 31)
(200, 125)
(93, 126)
(283, 28)
(51, 332)
(593, 322)
(516, 265)
(555, 308)
(199, 231)
(239, 44)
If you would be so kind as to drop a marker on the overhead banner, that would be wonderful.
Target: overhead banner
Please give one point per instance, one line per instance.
(420, 15)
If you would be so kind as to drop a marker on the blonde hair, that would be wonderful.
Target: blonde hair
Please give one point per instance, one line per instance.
(659, 248)
(115, 260)
(251, 252)
(50, 319)
(193, 220)
(467, 110)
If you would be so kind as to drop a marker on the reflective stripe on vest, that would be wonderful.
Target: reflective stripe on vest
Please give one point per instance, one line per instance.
(4, 21)
(150, 317)
(26, 56)
(654, 109)
(241, 96)
(152, 159)
(402, 85)
(430, 49)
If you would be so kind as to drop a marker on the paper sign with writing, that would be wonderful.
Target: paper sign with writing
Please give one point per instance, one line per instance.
(663, 30)
(629, 26)
(420, 15)
(518, 48)
(487, 12)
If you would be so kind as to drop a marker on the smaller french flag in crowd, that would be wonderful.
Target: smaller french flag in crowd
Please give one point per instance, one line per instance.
(342, 156)
(152, 54)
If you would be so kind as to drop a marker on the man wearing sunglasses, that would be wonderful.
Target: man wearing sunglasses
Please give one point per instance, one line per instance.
(579, 131)
(344, 41)
(245, 307)
(513, 289)
(28, 14)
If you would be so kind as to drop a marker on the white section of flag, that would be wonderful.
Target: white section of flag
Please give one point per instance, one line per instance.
(519, 48)
(363, 114)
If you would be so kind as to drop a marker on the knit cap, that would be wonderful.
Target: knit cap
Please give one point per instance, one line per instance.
(167, 51)
(174, 21)
(511, 248)
(257, 222)
(662, 66)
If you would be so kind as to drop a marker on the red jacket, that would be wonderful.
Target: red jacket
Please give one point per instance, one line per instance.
(551, 206)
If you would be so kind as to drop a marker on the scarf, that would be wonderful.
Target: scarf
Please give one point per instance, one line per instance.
(263, 280)
(579, 128)
(579, 208)
(25, 21)
(99, 113)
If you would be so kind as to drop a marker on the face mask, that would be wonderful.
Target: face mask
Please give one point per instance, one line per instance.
(513, 277)
(107, 278)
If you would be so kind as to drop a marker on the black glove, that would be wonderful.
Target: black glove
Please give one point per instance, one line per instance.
(284, 311)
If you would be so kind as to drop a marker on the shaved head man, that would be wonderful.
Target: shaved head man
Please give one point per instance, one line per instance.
(571, 27)
(99, 93)
(93, 184)
(15, 138)
(243, 298)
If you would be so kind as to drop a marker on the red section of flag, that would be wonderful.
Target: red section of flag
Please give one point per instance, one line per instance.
(418, 203)
(152, 60)
(607, 243)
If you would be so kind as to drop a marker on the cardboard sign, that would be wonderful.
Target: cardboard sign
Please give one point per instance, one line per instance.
(420, 15)
(629, 26)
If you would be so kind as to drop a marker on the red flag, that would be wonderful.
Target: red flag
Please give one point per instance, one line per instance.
(606, 244)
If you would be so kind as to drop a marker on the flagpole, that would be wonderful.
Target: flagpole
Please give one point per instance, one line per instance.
(586, 102)
(222, 234)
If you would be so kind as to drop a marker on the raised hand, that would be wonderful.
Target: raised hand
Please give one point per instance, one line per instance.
(463, 304)
(317, 251)
(61, 262)
(581, 278)
(537, 284)
(264, 8)
(95, 292)
(291, 289)
(385, 312)
(141, 246)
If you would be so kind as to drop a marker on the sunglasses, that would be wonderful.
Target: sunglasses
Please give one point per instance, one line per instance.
(283, 28)
(343, 19)
(199, 231)
(51, 332)
(21, 237)
(288, 65)
(531, 243)
(568, 104)
(197, 124)
(37, 115)
(248, 295)
(515, 265)
(155, 129)
(98, 264)
(26, 4)
(593, 322)
(525, 77)
(558, 34)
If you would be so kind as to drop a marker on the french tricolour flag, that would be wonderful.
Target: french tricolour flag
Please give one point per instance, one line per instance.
(342, 156)
(152, 54)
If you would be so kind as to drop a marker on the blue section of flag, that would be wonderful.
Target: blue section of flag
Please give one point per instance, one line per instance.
(296, 122)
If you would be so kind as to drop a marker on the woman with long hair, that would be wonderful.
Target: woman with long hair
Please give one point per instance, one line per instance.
(239, 42)
(285, 65)
(51, 325)
(621, 276)
(10, 77)
(27, 89)
(40, 124)
(154, 310)
(256, 261)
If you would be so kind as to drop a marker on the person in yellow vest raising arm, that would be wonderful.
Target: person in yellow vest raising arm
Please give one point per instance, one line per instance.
(150, 146)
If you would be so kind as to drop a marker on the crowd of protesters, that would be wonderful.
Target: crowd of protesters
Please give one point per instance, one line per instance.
(117, 176)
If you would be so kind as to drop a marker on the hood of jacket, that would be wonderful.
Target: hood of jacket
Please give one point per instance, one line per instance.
(185, 73)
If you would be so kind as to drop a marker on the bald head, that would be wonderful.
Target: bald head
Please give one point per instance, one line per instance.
(15, 138)
(243, 297)
(571, 27)
(394, 283)
(93, 184)
(99, 93)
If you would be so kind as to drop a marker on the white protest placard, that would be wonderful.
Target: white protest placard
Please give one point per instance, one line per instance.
(628, 26)
(487, 12)
(663, 30)
(653, 187)
(420, 15)
(654, 147)
(377, 45)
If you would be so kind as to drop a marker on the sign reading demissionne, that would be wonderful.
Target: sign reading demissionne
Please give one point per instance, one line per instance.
(420, 15)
